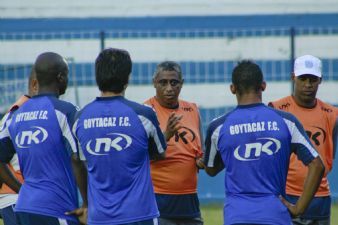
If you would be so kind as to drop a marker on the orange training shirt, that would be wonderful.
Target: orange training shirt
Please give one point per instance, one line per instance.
(319, 123)
(177, 173)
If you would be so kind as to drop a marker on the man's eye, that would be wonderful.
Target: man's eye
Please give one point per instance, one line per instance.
(174, 82)
(162, 82)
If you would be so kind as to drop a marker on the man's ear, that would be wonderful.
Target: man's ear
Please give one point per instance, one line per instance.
(263, 86)
(233, 89)
(154, 82)
(34, 87)
(293, 76)
(125, 86)
(60, 78)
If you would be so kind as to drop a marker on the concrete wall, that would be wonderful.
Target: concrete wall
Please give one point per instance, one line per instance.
(141, 8)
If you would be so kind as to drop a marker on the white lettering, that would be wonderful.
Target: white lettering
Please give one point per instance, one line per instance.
(106, 122)
(252, 127)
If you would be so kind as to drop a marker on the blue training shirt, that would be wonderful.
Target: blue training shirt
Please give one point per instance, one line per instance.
(254, 143)
(117, 136)
(40, 133)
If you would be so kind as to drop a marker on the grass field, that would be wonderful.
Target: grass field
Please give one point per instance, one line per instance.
(213, 214)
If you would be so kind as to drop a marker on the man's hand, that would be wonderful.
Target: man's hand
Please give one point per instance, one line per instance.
(172, 125)
(200, 163)
(293, 210)
(80, 213)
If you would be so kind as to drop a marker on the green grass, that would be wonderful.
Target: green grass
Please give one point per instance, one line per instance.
(213, 214)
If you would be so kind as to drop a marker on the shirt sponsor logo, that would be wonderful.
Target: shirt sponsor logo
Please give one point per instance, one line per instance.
(253, 151)
(186, 135)
(102, 146)
(284, 106)
(187, 109)
(36, 135)
(326, 109)
(317, 135)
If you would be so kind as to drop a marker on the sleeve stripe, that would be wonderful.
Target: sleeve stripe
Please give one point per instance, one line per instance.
(298, 137)
(81, 155)
(4, 132)
(152, 132)
(4, 121)
(213, 146)
(65, 129)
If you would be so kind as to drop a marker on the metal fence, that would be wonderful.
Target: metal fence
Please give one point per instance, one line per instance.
(206, 57)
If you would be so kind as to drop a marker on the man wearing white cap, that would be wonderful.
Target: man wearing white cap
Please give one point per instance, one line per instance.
(320, 121)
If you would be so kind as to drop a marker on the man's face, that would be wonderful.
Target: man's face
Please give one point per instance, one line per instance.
(305, 88)
(168, 87)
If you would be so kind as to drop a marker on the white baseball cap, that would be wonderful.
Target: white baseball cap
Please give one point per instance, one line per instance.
(308, 64)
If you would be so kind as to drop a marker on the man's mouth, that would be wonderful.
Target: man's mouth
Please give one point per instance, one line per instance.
(308, 92)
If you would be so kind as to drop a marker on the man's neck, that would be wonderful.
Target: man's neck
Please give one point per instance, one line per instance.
(304, 104)
(250, 98)
(111, 94)
(167, 105)
(48, 91)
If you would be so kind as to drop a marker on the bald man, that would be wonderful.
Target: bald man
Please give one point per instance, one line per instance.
(11, 172)
(39, 132)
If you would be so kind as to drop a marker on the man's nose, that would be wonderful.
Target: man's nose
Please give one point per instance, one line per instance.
(168, 87)
(308, 83)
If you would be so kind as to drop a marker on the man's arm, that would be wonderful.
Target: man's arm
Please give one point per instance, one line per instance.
(311, 184)
(301, 145)
(218, 166)
(156, 138)
(7, 177)
(80, 173)
(200, 154)
(79, 169)
(212, 157)
(335, 137)
(172, 126)
(7, 152)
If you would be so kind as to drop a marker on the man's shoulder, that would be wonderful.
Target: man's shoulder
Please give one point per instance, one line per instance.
(19, 102)
(145, 109)
(216, 122)
(282, 103)
(187, 106)
(187, 103)
(327, 108)
(64, 106)
(150, 101)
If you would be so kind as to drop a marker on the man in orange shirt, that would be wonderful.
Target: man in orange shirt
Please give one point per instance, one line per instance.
(321, 124)
(175, 178)
(11, 171)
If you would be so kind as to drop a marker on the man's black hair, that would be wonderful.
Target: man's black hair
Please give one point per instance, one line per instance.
(112, 69)
(247, 76)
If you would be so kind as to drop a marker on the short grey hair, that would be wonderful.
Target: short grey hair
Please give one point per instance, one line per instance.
(168, 66)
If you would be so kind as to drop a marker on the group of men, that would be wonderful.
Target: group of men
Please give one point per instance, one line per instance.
(137, 164)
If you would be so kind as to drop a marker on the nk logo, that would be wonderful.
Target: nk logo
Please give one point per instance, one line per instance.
(27, 138)
(253, 151)
(102, 146)
(317, 135)
(186, 135)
